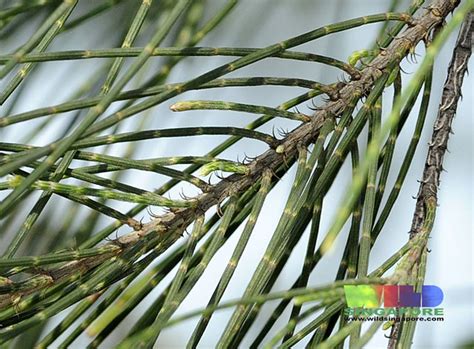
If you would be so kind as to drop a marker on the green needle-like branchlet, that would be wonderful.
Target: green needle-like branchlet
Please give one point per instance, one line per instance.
(174, 299)
(59, 149)
(235, 258)
(407, 159)
(39, 34)
(369, 202)
(127, 42)
(144, 197)
(56, 257)
(178, 51)
(246, 108)
(390, 149)
(177, 132)
(41, 46)
(139, 93)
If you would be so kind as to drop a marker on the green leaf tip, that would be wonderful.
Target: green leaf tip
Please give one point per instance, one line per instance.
(225, 166)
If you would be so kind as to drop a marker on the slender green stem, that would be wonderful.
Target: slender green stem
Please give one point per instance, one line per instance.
(36, 37)
(234, 260)
(369, 202)
(144, 197)
(41, 46)
(58, 150)
(407, 159)
(218, 83)
(247, 108)
(127, 42)
(178, 51)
